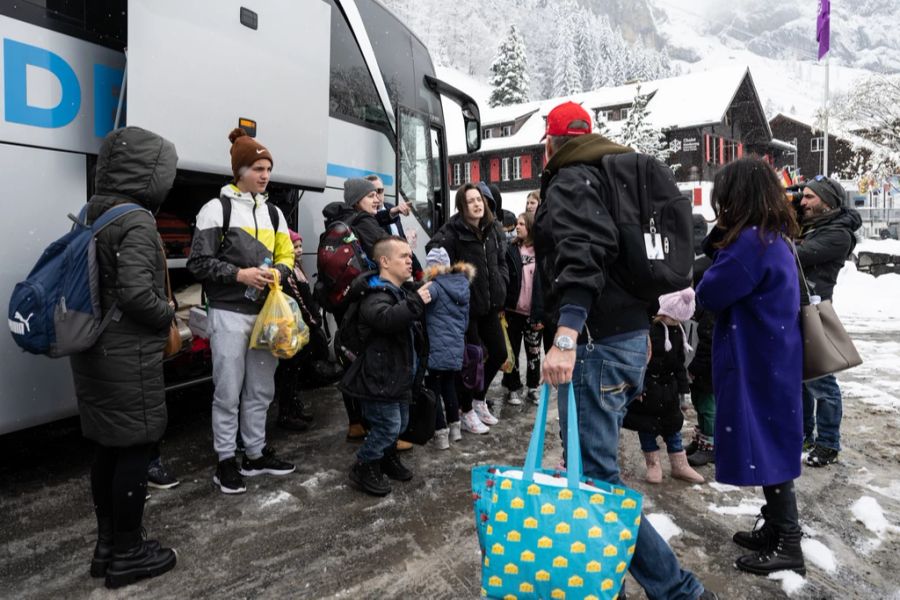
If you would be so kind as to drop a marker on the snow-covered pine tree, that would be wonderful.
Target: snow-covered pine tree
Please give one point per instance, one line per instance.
(566, 76)
(510, 71)
(640, 134)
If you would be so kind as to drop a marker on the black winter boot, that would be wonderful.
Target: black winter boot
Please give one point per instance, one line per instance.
(787, 555)
(393, 468)
(761, 538)
(704, 454)
(368, 477)
(103, 551)
(136, 559)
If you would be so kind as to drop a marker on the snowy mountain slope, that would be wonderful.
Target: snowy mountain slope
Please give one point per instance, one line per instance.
(863, 32)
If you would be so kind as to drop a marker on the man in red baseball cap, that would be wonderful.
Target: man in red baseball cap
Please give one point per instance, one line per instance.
(600, 342)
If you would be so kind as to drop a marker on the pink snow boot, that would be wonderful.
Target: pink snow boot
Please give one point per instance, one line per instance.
(682, 470)
(654, 468)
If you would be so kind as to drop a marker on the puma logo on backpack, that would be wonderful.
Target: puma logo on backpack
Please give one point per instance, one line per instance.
(56, 310)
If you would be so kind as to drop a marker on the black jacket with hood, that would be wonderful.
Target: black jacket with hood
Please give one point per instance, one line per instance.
(825, 243)
(484, 250)
(119, 381)
(514, 266)
(391, 334)
(364, 226)
(577, 241)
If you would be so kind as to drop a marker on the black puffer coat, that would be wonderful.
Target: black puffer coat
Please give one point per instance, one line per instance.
(825, 243)
(391, 329)
(486, 251)
(119, 381)
(658, 410)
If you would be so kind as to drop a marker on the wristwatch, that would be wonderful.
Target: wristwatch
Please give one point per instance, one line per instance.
(564, 342)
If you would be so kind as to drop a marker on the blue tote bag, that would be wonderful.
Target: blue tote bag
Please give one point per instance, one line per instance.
(545, 534)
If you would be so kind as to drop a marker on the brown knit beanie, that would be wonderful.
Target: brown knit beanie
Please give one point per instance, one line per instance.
(245, 151)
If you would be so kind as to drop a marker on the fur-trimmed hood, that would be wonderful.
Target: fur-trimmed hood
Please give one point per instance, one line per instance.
(465, 268)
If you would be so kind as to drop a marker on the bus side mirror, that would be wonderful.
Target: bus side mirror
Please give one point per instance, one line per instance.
(473, 133)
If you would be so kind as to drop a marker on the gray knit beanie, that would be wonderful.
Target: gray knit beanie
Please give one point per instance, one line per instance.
(828, 190)
(356, 189)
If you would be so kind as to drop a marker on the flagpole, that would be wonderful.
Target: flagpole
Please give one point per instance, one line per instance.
(825, 145)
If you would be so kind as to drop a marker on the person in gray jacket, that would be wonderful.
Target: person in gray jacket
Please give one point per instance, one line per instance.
(119, 381)
(826, 240)
(226, 262)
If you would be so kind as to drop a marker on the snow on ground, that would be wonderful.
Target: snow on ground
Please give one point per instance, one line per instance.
(791, 582)
(878, 246)
(866, 303)
(867, 511)
(664, 525)
(723, 487)
(278, 497)
(747, 506)
(819, 554)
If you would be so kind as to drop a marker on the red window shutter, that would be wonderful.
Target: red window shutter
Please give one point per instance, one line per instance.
(476, 174)
(721, 151)
(708, 157)
(495, 170)
(698, 196)
(526, 166)
(740, 151)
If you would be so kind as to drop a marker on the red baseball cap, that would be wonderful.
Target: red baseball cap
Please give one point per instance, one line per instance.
(560, 119)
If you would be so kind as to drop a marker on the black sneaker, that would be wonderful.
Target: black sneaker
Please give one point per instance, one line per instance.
(228, 478)
(159, 478)
(267, 463)
(821, 456)
(368, 477)
(393, 468)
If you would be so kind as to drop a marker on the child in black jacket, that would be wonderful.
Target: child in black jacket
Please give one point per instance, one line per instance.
(658, 411)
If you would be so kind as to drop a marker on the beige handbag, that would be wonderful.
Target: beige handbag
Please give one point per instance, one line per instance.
(827, 347)
(179, 333)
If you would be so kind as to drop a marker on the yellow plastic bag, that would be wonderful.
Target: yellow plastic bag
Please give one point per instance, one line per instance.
(510, 363)
(279, 327)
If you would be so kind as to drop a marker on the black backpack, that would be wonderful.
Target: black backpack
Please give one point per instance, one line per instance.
(348, 342)
(656, 252)
(226, 217)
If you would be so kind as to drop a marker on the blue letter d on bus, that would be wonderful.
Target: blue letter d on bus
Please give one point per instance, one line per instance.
(16, 57)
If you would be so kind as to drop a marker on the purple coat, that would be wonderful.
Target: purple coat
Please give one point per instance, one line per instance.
(757, 361)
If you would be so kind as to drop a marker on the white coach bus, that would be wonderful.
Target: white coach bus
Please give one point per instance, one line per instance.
(334, 88)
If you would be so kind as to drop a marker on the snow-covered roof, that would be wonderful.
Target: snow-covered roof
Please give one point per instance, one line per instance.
(853, 139)
(689, 100)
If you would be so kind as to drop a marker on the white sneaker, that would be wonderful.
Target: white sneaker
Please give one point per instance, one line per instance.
(534, 394)
(472, 424)
(441, 439)
(481, 409)
(513, 398)
(455, 433)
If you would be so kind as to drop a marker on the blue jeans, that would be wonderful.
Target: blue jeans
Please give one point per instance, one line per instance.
(822, 411)
(608, 375)
(648, 442)
(386, 421)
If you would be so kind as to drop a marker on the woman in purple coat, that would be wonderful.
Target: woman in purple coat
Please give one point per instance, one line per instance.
(757, 362)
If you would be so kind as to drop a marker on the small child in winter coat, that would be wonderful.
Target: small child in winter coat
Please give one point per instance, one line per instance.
(658, 411)
(446, 321)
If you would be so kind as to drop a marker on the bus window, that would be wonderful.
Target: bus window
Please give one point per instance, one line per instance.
(353, 96)
(101, 22)
(419, 165)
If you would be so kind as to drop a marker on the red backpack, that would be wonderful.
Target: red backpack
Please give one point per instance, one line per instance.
(339, 260)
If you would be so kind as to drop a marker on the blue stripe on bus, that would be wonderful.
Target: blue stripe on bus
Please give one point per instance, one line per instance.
(348, 172)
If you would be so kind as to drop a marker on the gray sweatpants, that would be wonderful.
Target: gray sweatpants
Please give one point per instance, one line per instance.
(245, 384)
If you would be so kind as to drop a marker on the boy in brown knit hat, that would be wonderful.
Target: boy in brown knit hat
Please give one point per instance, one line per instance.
(226, 260)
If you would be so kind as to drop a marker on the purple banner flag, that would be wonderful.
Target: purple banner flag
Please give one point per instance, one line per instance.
(823, 27)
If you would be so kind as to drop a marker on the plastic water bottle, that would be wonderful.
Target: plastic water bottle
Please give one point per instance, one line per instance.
(251, 293)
